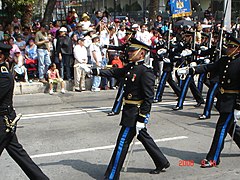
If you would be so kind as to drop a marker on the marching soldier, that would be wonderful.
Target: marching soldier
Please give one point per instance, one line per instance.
(137, 98)
(189, 80)
(8, 138)
(213, 85)
(168, 63)
(228, 103)
(119, 98)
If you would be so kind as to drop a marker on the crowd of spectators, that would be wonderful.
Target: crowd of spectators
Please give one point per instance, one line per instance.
(76, 43)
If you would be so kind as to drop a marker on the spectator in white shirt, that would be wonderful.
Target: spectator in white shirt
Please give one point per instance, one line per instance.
(80, 55)
(145, 36)
(96, 58)
(121, 32)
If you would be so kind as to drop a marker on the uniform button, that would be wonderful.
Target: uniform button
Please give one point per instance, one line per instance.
(222, 82)
(132, 67)
(225, 71)
(124, 85)
(125, 79)
(128, 72)
(224, 77)
(226, 66)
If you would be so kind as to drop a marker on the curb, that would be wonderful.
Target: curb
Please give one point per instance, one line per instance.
(38, 87)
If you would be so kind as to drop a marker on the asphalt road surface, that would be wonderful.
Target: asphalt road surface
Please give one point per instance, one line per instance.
(71, 137)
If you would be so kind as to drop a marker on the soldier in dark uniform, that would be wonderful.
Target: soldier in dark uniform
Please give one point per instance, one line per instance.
(189, 80)
(168, 63)
(228, 103)
(137, 99)
(8, 138)
(212, 81)
(119, 98)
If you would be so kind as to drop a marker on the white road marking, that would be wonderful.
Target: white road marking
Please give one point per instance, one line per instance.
(99, 148)
(90, 110)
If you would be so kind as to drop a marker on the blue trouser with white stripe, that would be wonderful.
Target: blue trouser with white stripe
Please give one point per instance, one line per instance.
(212, 91)
(224, 126)
(125, 137)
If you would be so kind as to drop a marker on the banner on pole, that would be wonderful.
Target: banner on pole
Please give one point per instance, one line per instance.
(180, 8)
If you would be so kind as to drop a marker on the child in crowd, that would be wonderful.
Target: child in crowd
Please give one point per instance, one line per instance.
(19, 68)
(54, 77)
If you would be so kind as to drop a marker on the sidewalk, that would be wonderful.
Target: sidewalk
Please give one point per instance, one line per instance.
(38, 87)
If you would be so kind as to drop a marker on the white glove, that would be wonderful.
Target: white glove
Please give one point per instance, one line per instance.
(166, 60)
(86, 68)
(183, 71)
(193, 64)
(206, 61)
(139, 126)
(203, 48)
(236, 114)
(186, 52)
(161, 51)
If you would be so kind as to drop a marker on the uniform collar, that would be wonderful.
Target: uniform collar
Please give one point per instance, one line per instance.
(138, 62)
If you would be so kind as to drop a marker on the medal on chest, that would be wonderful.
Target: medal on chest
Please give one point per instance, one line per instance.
(134, 77)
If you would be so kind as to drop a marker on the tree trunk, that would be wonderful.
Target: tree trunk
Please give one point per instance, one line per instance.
(49, 10)
(153, 9)
(27, 15)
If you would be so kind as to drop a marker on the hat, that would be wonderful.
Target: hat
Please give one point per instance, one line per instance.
(73, 10)
(19, 36)
(17, 51)
(136, 44)
(43, 25)
(117, 20)
(129, 31)
(81, 39)
(63, 29)
(232, 41)
(85, 16)
(94, 36)
(135, 26)
(73, 25)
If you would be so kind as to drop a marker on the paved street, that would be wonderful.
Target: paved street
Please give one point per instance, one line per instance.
(71, 137)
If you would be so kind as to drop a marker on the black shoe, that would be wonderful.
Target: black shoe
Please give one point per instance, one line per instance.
(112, 113)
(208, 163)
(159, 169)
(199, 104)
(78, 90)
(202, 117)
(157, 100)
(176, 108)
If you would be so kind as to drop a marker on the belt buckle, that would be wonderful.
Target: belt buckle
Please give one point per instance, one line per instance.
(222, 90)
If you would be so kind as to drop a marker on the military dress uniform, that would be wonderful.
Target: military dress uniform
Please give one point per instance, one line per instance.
(213, 85)
(189, 83)
(228, 69)
(167, 77)
(8, 138)
(137, 99)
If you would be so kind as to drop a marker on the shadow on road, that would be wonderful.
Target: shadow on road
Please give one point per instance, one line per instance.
(96, 171)
(181, 154)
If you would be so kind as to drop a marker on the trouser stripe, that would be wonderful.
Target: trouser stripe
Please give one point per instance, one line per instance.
(221, 138)
(119, 151)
